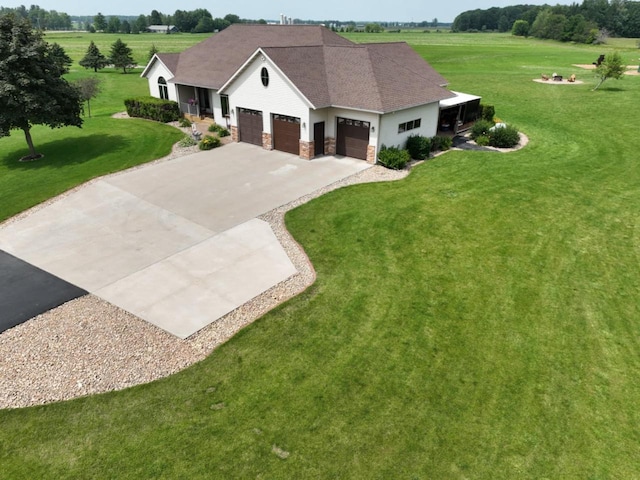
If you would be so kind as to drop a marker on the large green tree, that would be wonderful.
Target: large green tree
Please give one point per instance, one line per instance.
(121, 56)
(100, 22)
(33, 90)
(94, 58)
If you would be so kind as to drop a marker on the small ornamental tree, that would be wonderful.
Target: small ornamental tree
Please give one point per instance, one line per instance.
(33, 90)
(611, 67)
(121, 56)
(93, 58)
(89, 87)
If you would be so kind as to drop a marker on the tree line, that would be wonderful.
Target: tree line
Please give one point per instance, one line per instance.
(40, 18)
(194, 21)
(576, 22)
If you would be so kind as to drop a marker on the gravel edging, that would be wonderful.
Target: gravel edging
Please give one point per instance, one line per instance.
(90, 346)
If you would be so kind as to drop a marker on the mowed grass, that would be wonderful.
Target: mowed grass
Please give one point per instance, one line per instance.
(76, 43)
(476, 320)
(72, 155)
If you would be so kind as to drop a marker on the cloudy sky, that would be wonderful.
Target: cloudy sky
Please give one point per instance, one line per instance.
(374, 10)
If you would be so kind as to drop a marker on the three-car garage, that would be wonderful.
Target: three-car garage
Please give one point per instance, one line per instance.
(352, 136)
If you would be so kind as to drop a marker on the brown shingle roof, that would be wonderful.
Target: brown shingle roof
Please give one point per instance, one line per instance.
(380, 77)
(212, 62)
(170, 60)
(328, 69)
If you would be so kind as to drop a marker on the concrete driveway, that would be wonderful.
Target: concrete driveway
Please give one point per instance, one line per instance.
(175, 243)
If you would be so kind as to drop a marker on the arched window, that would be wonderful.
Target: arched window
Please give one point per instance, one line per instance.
(162, 86)
(264, 75)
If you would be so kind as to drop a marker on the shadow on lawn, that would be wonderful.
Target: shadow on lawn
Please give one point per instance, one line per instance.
(68, 151)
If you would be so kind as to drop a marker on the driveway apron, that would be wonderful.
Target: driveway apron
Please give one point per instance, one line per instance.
(177, 242)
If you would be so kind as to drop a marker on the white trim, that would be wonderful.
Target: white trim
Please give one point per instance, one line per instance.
(150, 64)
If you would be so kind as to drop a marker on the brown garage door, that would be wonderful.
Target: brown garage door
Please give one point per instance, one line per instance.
(250, 126)
(286, 134)
(353, 138)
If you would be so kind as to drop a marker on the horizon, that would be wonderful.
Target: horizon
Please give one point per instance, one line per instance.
(410, 11)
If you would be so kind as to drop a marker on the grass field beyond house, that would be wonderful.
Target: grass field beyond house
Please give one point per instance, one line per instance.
(479, 319)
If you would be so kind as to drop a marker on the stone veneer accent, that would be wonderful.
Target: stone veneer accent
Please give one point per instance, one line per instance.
(330, 146)
(307, 150)
(267, 144)
(234, 134)
(371, 154)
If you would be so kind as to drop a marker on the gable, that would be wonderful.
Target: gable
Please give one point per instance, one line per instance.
(374, 77)
(167, 62)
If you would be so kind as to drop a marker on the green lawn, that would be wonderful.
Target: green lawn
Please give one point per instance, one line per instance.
(479, 319)
(72, 155)
(76, 43)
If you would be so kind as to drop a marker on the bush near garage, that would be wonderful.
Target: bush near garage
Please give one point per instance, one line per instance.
(440, 143)
(152, 108)
(418, 147)
(209, 142)
(219, 129)
(393, 157)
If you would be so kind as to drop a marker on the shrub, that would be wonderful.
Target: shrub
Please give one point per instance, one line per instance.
(184, 122)
(153, 108)
(209, 142)
(441, 143)
(487, 112)
(418, 147)
(481, 128)
(187, 141)
(482, 140)
(219, 129)
(504, 137)
(393, 158)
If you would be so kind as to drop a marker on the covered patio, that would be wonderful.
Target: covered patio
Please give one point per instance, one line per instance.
(458, 114)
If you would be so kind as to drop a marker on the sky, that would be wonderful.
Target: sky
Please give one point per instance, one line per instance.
(364, 10)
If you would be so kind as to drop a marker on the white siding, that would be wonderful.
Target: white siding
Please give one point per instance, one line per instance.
(155, 72)
(279, 97)
(428, 115)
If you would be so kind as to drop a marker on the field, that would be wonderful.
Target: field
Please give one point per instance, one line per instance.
(479, 319)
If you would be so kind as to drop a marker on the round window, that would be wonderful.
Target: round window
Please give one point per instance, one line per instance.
(264, 75)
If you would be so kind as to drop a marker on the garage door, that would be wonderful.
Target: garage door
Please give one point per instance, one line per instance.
(286, 134)
(353, 138)
(250, 126)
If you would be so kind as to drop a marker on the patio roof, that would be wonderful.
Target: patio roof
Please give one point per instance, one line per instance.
(459, 99)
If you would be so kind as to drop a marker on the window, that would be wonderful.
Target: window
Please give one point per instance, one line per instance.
(162, 86)
(224, 103)
(264, 76)
(406, 126)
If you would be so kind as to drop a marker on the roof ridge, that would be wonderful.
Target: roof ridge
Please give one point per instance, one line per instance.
(375, 77)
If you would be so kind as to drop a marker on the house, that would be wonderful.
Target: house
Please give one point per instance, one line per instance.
(162, 29)
(304, 89)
